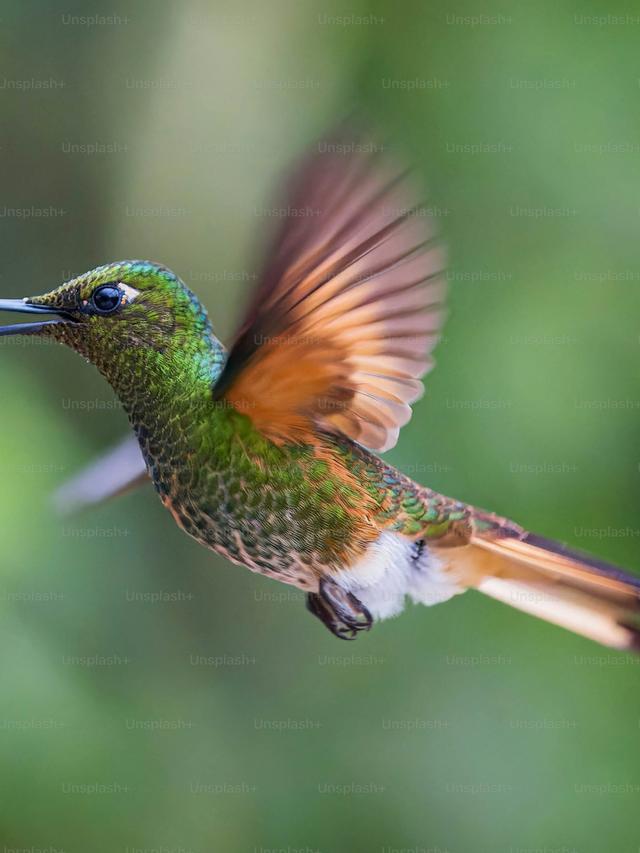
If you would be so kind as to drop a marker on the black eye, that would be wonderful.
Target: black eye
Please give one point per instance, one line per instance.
(106, 298)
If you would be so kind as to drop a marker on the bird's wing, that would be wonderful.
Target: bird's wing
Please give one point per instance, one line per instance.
(119, 470)
(338, 333)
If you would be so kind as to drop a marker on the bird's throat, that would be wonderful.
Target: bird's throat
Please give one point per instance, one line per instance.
(165, 389)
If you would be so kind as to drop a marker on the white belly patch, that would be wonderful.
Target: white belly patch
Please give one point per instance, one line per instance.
(391, 570)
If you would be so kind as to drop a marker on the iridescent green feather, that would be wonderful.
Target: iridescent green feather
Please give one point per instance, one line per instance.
(293, 511)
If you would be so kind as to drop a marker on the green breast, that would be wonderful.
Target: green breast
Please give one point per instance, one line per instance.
(279, 510)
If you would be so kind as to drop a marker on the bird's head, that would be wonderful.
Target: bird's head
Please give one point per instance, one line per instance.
(125, 304)
(127, 316)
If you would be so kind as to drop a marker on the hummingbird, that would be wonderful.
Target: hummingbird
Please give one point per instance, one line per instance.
(268, 451)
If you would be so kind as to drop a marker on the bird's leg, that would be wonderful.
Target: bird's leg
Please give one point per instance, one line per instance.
(342, 613)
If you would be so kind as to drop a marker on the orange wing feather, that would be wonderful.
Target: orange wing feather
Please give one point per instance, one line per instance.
(338, 332)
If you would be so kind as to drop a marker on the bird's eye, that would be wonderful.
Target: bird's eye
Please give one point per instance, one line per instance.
(106, 298)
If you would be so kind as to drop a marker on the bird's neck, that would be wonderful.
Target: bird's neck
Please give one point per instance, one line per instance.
(165, 391)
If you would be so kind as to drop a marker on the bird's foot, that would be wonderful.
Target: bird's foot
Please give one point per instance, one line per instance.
(342, 613)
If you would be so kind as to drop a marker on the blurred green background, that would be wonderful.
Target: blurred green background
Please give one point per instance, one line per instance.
(156, 698)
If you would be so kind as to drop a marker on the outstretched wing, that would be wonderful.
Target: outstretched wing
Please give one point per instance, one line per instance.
(339, 330)
(119, 470)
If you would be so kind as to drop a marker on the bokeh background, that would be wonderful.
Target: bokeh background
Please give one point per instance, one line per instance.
(155, 698)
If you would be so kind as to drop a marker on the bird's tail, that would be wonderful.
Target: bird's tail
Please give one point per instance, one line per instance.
(555, 583)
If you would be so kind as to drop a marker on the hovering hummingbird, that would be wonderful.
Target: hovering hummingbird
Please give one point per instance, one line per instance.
(266, 452)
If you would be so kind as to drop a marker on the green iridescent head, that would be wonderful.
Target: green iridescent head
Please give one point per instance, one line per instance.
(126, 317)
(127, 304)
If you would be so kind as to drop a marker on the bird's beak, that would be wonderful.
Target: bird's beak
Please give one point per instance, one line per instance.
(23, 306)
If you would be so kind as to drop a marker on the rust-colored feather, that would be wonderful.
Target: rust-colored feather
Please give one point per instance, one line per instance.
(553, 582)
(349, 306)
(277, 397)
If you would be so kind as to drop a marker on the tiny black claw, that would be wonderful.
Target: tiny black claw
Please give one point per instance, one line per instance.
(342, 613)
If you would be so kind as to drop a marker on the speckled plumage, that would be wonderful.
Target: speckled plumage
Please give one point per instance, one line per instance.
(290, 511)
(260, 453)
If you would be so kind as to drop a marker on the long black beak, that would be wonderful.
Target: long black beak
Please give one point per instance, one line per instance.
(23, 306)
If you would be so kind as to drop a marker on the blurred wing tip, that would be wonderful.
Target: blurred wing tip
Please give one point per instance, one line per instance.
(390, 443)
(363, 280)
(117, 471)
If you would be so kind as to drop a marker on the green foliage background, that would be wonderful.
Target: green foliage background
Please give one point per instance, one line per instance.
(226, 718)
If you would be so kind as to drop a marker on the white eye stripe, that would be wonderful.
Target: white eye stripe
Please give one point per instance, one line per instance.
(128, 293)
